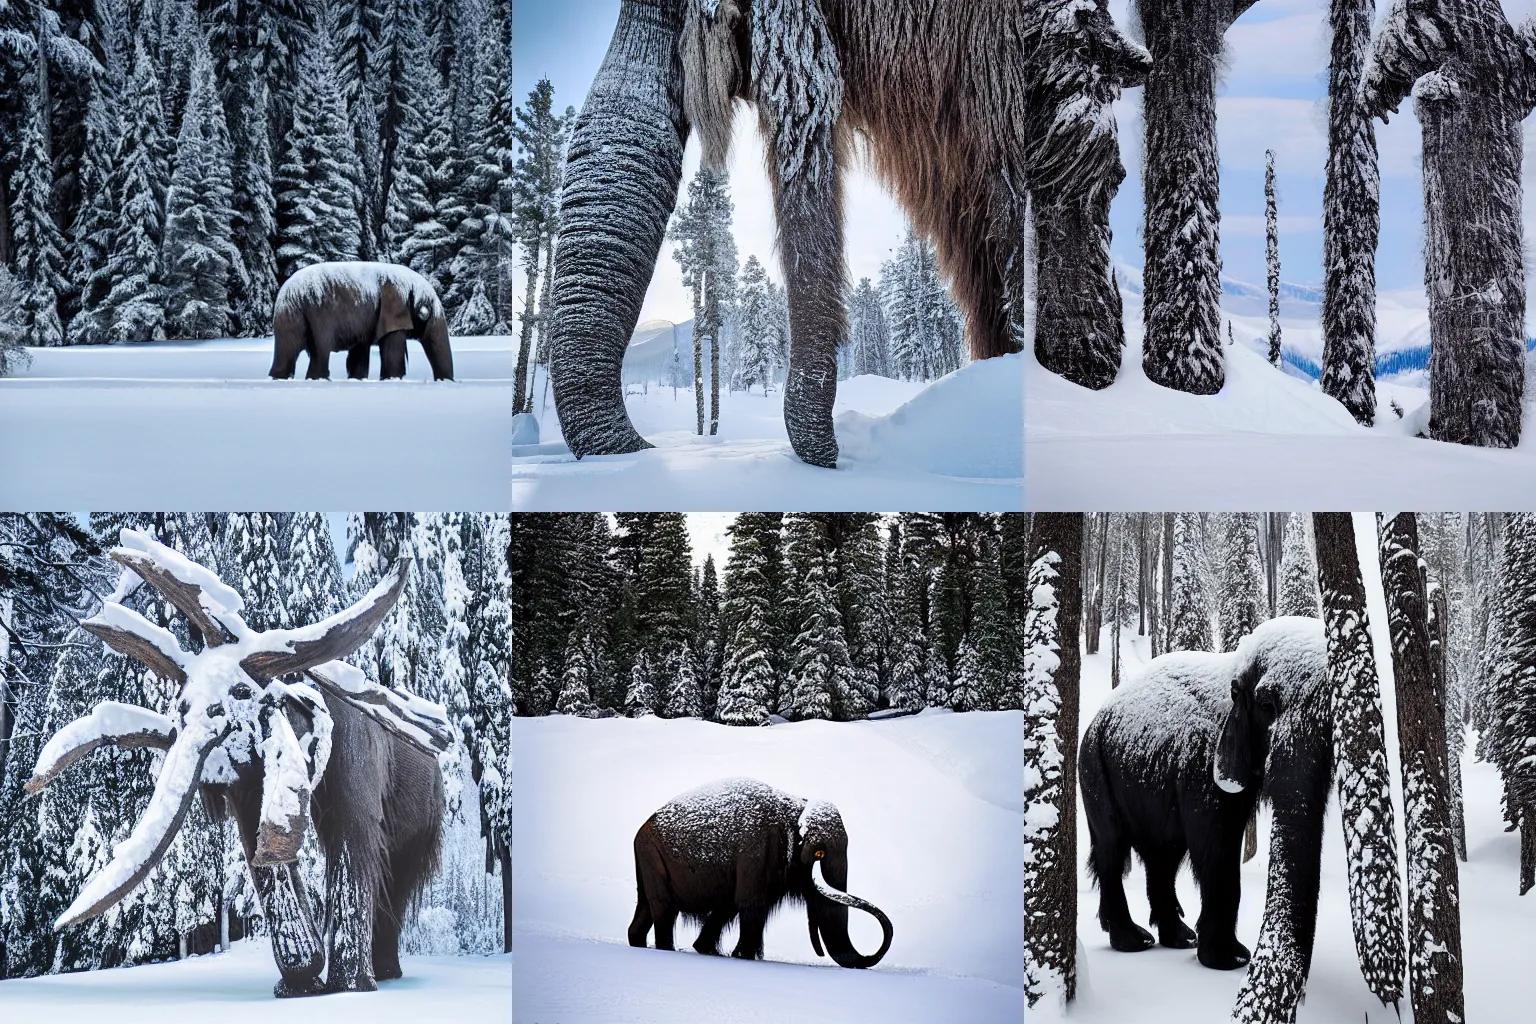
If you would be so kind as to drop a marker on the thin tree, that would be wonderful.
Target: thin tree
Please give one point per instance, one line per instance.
(1434, 901)
(1272, 255)
(540, 134)
(707, 255)
(1051, 664)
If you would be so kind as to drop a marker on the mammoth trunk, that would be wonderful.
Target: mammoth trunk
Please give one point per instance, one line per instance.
(621, 178)
(296, 945)
(828, 912)
(1078, 327)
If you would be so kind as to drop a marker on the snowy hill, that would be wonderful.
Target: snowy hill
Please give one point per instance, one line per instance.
(1168, 986)
(934, 814)
(1268, 439)
(236, 988)
(953, 443)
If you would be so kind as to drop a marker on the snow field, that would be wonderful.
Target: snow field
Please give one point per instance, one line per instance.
(1266, 439)
(199, 425)
(1166, 986)
(236, 988)
(953, 443)
(933, 808)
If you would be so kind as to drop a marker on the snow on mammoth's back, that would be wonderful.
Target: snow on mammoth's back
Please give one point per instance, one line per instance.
(312, 282)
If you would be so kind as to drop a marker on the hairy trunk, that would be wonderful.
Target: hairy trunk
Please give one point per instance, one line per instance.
(622, 172)
(1078, 323)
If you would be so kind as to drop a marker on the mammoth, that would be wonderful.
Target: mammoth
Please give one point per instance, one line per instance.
(739, 848)
(937, 92)
(1174, 765)
(271, 729)
(351, 307)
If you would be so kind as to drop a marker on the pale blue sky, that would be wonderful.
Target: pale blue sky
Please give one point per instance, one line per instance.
(1270, 97)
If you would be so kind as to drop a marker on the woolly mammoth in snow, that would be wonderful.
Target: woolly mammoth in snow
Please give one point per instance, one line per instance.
(1174, 764)
(942, 93)
(271, 748)
(740, 848)
(351, 307)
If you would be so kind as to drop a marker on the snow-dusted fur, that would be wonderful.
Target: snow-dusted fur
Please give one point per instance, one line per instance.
(739, 848)
(350, 307)
(940, 91)
(1175, 763)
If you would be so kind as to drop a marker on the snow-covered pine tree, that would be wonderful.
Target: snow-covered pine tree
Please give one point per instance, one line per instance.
(1182, 184)
(1510, 691)
(682, 699)
(747, 677)
(707, 615)
(1351, 217)
(421, 195)
(200, 263)
(134, 305)
(251, 561)
(706, 254)
(1241, 605)
(491, 701)
(90, 235)
(1189, 613)
(867, 332)
(1360, 758)
(1298, 574)
(484, 263)
(640, 695)
(312, 588)
(254, 223)
(663, 588)
(540, 134)
(1471, 77)
(315, 185)
(575, 681)
(13, 326)
(819, 666)
(756, 355)
(35, 233)
(1051, 663)
(1434, 901)
(1272, 255)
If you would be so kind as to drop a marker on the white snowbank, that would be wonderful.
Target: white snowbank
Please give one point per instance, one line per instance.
(200, 425)
(236, 988)
(954, 443)
(928, 845)
(1168, 986)
(1268, 439)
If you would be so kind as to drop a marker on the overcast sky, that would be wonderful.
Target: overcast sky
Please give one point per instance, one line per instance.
(1271, 97)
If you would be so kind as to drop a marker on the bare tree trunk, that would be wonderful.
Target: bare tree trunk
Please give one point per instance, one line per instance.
(712, 307)
(506, 899)
(1167, 596)
(698, 355)
(1053, 635)
(5, 221)
(1141, 572)
(520, 396)
(1434, 903)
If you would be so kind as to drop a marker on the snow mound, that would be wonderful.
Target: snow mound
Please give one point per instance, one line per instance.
(965, 424)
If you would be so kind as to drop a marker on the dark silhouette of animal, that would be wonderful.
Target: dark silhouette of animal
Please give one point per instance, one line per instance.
(351, 307)
(739, 848)
(1174, 765)
(359, 757)
(933, 91)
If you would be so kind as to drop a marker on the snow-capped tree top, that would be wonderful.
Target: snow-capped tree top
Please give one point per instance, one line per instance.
(313, 282)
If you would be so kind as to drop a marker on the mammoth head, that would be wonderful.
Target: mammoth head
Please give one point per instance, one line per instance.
(235, 716)
(821, 848)
(1281, 674)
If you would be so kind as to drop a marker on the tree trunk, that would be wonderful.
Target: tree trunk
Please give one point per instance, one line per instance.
(1351, 218)
(1360, 758)
(699, 327)
(1434, 904)
(226, 908)
(1167, 595)
(1054, 635)
(505, 856)
(520, 395)
(1078, 321)
(712, 301)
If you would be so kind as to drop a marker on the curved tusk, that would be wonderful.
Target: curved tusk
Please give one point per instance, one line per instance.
(111, 723)
(136, 856)
(849, 900)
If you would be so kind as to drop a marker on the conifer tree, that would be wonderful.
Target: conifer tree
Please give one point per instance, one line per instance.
(867, 332)
(755, 360)
(575, 682)
(316, 187)
(91, 233)
(640, 696)
(1272, 256)
(1189, 616)
(254, 217)
(487, 234)
(1511, 687)
(1298, 575)
(747, 682)
(134, 299)
(682, 699)
(421, 211)
(819, 666)
(706, 253)
(1241, 605)
(540, 134)
(311, 573)
(201, 263)
(39, 243)
(13, 326)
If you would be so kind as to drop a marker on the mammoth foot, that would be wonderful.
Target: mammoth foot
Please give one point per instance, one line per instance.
(1130, 938)
(297, 988)
(1177, 936)
(1227, 956)
(362, 983)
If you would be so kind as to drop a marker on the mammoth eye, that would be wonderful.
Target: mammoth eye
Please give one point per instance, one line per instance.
(820, 854)
(241, 691)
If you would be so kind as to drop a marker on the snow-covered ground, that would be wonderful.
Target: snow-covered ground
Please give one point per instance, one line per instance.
(951, 444)
(200, 425)
(1168, 986)
(933, 807)
(236, 988)
(1269, 439)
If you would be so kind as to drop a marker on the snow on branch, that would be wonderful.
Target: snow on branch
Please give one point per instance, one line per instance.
(211, 605)
(128, 632)
(109, 723)
(282, 651)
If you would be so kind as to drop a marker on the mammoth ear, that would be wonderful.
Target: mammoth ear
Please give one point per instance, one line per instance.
(394, 310)
(1234, 767)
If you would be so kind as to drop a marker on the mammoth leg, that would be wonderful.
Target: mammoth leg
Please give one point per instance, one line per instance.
(322, 342)
(666, 919)
(350, 905)
(386, 945)
(749, 945)
(288, 340)
(1217, 858)
(622, 172)
(708, 941)
(392, 355)
(357, 361)
(1162, 864)
(296, 943)
(640, 924)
